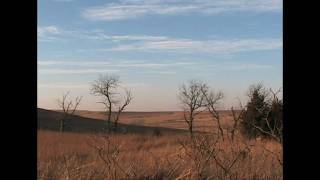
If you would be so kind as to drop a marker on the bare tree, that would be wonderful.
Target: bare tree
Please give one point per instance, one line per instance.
(107, 86)
(126, 102)
(211, 101)
(68, 108)
(237, 116)
(192, 99)
(236, 119)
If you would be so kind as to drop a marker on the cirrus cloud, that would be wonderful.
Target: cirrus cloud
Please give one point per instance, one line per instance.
(203, 46)
(129, 9)
(75, 71)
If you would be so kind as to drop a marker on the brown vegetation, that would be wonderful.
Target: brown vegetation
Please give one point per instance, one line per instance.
(148, 149)
(85, 156)
(107, 87)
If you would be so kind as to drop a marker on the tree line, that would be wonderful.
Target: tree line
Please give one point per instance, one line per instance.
(260, 117)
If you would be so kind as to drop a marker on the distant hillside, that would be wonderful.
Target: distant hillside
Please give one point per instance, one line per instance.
(49, 120)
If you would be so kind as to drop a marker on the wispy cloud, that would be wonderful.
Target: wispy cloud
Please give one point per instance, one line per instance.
(63, 0)
(125, 64)
(96, 67)
(63, 85)
(148, 65)
(160, 43)
(45, 33)
(52, 32)
(47, 30)
(128, 9)
(76, 71)
(130, 37)
(160, 72)
(72, 63)
(163, 68)
(87, 85)
(206, 46)
(250, 67)
(237, 66)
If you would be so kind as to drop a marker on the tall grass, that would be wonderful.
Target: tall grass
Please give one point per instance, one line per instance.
(134, 156)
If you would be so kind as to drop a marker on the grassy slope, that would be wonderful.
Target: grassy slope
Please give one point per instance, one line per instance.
(49, 120)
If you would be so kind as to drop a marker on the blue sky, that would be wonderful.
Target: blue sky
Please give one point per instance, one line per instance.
(155, 46)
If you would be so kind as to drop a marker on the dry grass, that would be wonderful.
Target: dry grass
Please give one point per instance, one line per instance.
(133, 156)
(172, 119)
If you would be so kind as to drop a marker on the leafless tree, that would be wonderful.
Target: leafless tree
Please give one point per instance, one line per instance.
(211, 101)
(107, 86)
(126, 102)
(68, 108)
(192, 99)
(236, 117)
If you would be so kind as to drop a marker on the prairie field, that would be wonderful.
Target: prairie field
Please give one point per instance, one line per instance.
(150, 155)
(160, 90)
(172, 119)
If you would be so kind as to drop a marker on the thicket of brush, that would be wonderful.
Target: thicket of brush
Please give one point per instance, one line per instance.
(226, 153)
(263, 116)
(132, 156)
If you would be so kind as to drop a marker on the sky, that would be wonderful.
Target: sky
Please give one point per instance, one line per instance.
(155, 46)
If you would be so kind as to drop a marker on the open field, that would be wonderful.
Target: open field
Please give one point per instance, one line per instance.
(141, 155)
(163, 119)
(73, 156)
(159, 90)
(136, 121)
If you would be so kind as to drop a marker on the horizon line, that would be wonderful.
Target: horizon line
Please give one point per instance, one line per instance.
(131, 110)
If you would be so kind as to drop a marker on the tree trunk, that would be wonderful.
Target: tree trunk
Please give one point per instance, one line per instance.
(109, 120)
(108, 125)
(191, 132)
(61, 125)
(116, 121)
(220, 128)
(115, 128)
(190, 129)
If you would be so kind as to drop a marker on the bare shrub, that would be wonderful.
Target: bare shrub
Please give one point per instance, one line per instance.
(236, 117)
(192, 99)
(212, 100)
(69, 156)
(156, 132)
(263, 114)
(210, 158)
(269, 109)
(68, 108)
(200, 152)
(107, 86)
(108, 151)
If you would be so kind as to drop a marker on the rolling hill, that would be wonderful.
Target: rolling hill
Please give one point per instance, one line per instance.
(49, 120)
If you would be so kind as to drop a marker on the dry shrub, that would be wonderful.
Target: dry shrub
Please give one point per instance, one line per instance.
(156, 132)
(263, 116)
(133, 156)
(212, 157)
